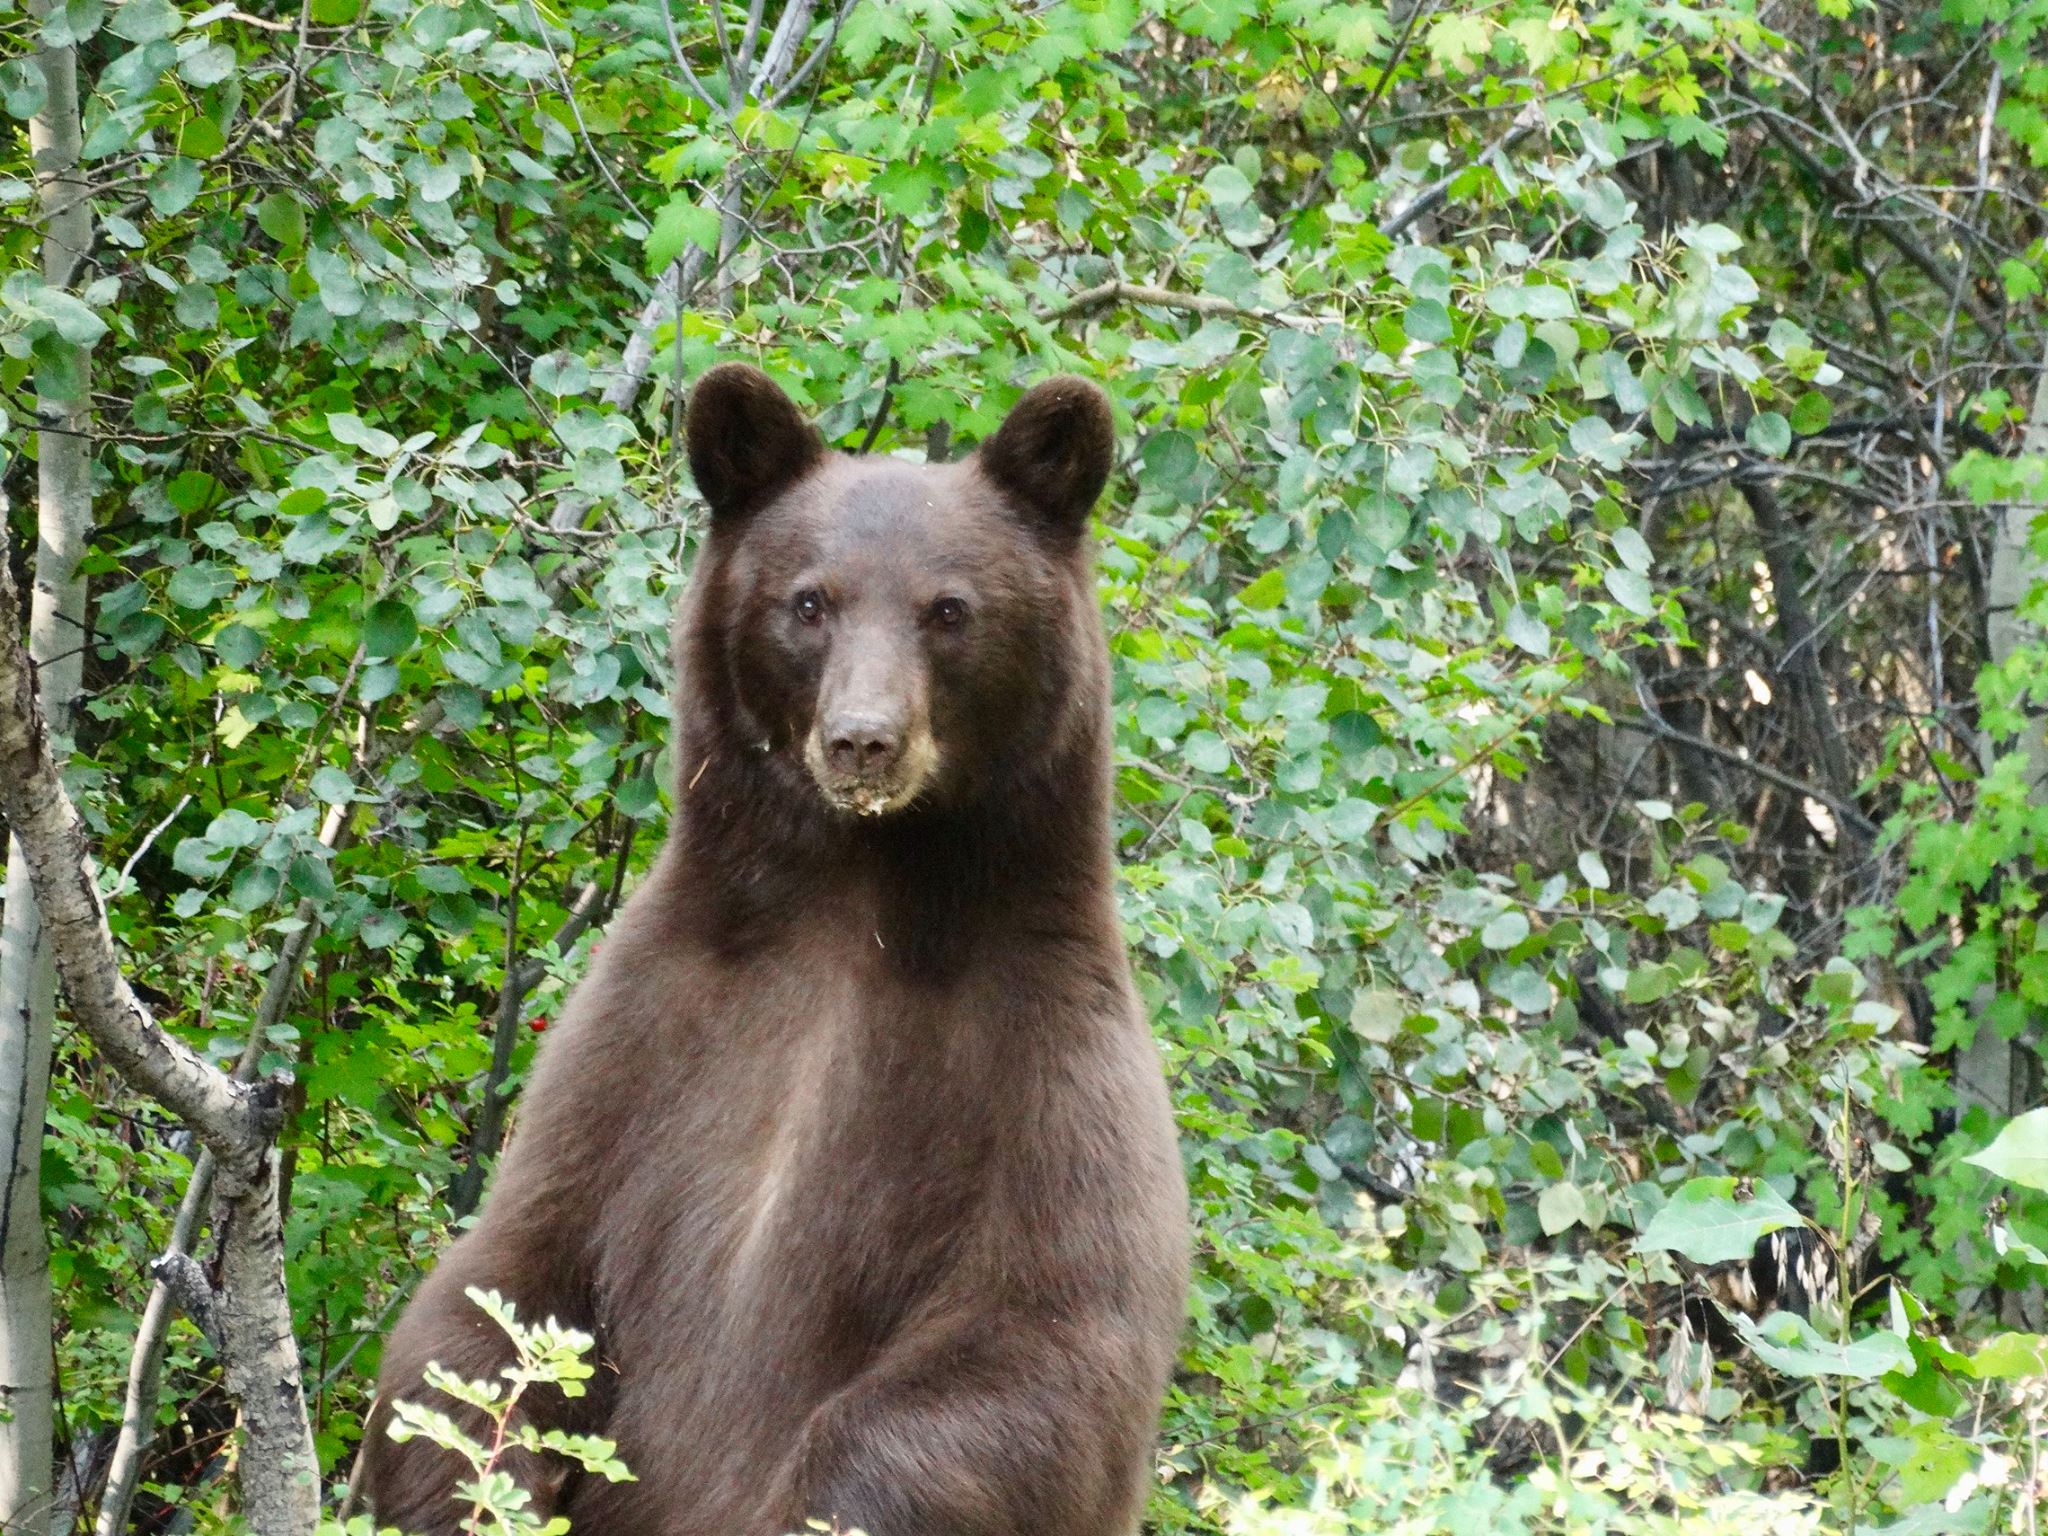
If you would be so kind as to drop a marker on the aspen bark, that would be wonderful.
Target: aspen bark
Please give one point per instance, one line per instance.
(28, 987)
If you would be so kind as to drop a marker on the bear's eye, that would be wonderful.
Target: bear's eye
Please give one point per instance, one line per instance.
(949, 613)
(810, 605)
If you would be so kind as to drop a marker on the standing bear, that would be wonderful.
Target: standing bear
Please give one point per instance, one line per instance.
(853, 1150)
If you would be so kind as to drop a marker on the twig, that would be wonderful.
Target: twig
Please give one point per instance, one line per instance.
(1656, 725)
(121, 880)
(882, 410)
(1526, 122)
(1354, 130)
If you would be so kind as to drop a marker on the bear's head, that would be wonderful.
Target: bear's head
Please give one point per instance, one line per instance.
(884, 637)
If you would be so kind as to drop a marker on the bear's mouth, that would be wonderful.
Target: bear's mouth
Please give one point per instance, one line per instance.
(874, 794)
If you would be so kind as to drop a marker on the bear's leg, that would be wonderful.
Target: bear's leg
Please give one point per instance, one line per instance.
(1004, 1425)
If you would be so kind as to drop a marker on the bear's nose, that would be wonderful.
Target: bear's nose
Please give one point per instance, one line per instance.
(860, 745)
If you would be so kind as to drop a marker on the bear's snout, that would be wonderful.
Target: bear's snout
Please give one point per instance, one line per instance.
(868, 768)
(870, 747)
(862, 746)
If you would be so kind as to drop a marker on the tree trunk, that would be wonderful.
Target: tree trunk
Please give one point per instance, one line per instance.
(146, 1359)
(2004, 1075)
(28, 986)
(250, 1316)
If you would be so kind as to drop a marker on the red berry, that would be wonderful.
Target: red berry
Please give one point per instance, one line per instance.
(537, 1023)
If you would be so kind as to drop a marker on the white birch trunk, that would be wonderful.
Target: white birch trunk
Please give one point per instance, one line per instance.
(27, 973)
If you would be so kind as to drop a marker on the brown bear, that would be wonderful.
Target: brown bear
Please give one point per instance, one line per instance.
(853, 1150)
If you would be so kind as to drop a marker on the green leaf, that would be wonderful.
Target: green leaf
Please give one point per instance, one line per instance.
(1227, 186)
(207, 65)
(637, 797)
(1633, 549)
(22, 90)
(1789, 1344)
(201, 139)
(389, 628)
(1171, 460)
(1650, 983)
(1768, 433)
(2020, 1151)
(331, 786)
(1427, 321)
(1205, 752)
(74, 319)
(1560, 1207)
(145, 21)
(380, 930)
(1376, 1014)
(1505, 931)
(1456, 39)
(198, 859)
(1594, 438)
(682, 221)
(283, 217)
(310, 876)
(1266, 592)
(1811, 413)
(1629, 588)
(197, 585)
(197, 307)
(72, 22)
(2010, 1356)
(906, 187)
(235, 829)
(348, 427)
(238, 645)
(1526, 631)
(1708, 1224)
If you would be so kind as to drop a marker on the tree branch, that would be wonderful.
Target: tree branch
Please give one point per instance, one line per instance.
(1658, 726)
(146, 1357)
(1116, 291)
(686, 271)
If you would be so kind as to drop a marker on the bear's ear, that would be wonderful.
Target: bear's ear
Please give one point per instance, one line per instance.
(747, 439)
(1053, 452)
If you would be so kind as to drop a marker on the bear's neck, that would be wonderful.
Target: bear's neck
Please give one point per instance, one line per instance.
(758, 852)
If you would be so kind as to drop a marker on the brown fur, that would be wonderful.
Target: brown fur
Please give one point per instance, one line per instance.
(853, 1148)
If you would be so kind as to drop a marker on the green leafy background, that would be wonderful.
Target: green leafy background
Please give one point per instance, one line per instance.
(1449, 347)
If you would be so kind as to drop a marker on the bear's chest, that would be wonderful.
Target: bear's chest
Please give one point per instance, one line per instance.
(822, 1154)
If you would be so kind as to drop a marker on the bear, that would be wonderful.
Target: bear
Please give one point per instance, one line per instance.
(853, 1150)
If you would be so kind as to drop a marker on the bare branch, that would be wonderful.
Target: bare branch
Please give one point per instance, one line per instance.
(1117, 291)
(1657, 725)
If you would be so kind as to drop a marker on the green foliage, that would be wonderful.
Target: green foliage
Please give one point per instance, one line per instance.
(545, 1354)
(2020, 1152)
(1410, 339)
(1705, 1221)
